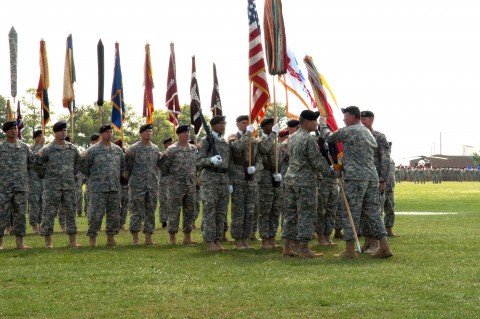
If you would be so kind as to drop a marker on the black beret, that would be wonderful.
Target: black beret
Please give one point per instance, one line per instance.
(283, 133)
(167, 140)
(8, 125)
(354, 110)
(145, 127)
(243, 118)
(182, 129)
(37, 133)
(309, 115)
(367, 114)
(57, 127)
(217, 119)
(68, 139)
(94, 137)
(293, 123)
(266, 122)
(105, 127)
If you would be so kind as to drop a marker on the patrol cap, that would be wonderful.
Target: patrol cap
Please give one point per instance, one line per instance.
(367, 114)
(8, 125)
(354, 110)
(283, 133)
(57, 127)
(167, 140)
(309, 115)
(182, 129)
(105, 127)
(37, 133)
(145, 127)
(293, 123)
(242, 118)
(266, 122)
(94, 137)
(217, 119)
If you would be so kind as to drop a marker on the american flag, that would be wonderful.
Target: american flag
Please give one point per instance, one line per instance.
(171, 100)
(195, 104)
(256, 72)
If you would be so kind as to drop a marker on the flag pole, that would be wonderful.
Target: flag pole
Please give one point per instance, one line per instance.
(71, 125)
(121, 113)
(275, 121)
(250, 121)
(41, 115)
(101, 115)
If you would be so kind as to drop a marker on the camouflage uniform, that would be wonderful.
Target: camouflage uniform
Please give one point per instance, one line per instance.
(79, 193)
(327, 204)
(269, 193)
(360, 176)
(389, 203)
(36, 193)
(163, 195)
(103, 166)
(60, 163)
(143, 168)
(300, 198)
(245, 186)
(16, 159)
(179, 163)
(215, 188)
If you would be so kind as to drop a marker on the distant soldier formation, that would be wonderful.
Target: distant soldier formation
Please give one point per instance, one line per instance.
(279, 180)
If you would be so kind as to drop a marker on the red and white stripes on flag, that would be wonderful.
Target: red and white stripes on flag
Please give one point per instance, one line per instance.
(256, 72)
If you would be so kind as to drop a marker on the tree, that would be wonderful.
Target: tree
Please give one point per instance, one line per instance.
(476, 159)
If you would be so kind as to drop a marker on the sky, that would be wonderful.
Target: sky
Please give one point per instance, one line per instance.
(415, 64)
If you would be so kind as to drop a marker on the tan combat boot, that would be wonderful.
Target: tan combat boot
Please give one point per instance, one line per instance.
(373, 246)
(305, 251)
(384, 250)
(35, 229)
(349, 251)
(329, 241)
(135, 240)
(111, 241)
(173, 239)
(266, 244)
(93, 241)
(63, 229)
(72, 241)
(273, 243)
(1, 243)
(148, 239)
(321, 240)
(245, 243)
(295, 246)
(187, 239)
(20, 245)
(212, 247)
(287, 249)
(239, 245)
(48, 242)
(390, 232)
(338, 234)
(217, 242)
(366, 245)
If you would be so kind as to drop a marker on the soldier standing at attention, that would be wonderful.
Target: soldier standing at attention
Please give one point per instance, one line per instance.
(300, 199)
(213, 161)
(94, 139)
(179, 160)
(245, 187)
(361, 179)
(102, 165)
(143, 160)
(389, 202)
(36, 187)
(123, 193)
(163, 189)
(16, 159)
(60, 160)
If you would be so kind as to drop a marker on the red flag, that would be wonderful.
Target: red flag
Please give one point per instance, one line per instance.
(256, 72)
(195, 104)
(171, 100)
(148, 83)
(216, 105)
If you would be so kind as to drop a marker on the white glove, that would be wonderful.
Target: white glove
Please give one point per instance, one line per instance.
(277, 177)
(216, 160)
(250, 128)
(230, 189)
(251, 170)
(275, 129)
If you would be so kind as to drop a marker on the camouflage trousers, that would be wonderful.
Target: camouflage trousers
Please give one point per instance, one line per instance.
(215, 199)
(13, 204)
(124, 204)
(270, 201)
(163, 197)
(326, 208)
(181, 197)
(388, 205)
(79, 197)
(300, 209)
(197, 204)
(86, 200)
(363, 196)
(244, 197)
(62, 219)
(63, 203)
(338, 225)
(35, 208)
(142, 209)
(364, 225)
(104, 203)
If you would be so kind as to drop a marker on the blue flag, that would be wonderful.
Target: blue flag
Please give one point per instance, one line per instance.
(118, 104)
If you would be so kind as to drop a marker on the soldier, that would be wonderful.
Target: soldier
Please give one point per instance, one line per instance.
(300, 199)
(16, 159)
(60, 160)
(94, 139)
(361, 179)
(36, 187)
(179, 161)
(381, 159)
(389, 202)
(197, 194)
(143, 160)
(213, 161)
(245, 163)
(163, 189)
(269, 185)
(103, 163)
(123, 193)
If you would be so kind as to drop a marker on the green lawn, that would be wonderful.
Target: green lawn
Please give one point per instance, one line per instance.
(434, 273)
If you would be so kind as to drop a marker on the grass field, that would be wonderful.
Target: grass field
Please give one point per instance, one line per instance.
(434, 273)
